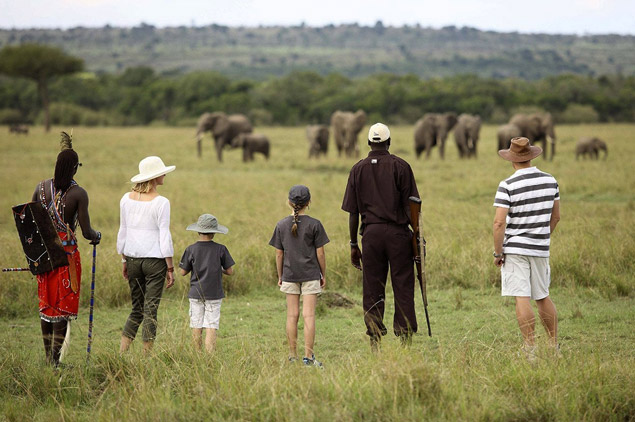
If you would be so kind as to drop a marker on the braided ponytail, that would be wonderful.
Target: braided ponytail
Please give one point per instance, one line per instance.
(296, 210)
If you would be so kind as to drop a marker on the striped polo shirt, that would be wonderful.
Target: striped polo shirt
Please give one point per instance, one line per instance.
(529, 194)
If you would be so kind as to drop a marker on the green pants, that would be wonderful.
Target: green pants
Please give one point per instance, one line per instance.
(146, 277)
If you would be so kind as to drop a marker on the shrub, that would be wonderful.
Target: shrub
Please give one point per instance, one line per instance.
(260, 117)
(526, 109)
(578, 113)
(71, 114)
(9, 116)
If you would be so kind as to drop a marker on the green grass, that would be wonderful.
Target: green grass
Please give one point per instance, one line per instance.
(468, 370)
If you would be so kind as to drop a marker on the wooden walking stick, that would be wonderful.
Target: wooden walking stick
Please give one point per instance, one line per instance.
(92, 303)
(419, 252)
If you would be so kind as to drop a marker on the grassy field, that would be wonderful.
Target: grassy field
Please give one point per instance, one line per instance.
(468, 370)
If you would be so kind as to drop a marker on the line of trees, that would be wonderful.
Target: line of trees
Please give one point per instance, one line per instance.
(141, 96)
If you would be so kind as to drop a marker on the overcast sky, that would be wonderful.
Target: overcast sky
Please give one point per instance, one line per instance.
(550, 16)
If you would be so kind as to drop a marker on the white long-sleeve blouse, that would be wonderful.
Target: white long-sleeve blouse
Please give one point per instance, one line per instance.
(144, 228)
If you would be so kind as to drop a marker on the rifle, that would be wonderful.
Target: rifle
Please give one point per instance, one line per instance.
(419, 246)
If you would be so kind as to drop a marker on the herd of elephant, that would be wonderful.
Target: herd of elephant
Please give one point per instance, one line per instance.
(236, 131)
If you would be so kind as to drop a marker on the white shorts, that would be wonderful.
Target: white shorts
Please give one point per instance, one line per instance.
(526, 276)
(305, 288)
(204, 314)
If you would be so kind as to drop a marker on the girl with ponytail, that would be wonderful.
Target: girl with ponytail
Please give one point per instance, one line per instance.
(301, 263)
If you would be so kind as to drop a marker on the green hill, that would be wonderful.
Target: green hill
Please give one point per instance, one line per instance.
(353, 50)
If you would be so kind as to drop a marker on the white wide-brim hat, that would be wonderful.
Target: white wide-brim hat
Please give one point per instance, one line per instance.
(150, 168)
(207, 223)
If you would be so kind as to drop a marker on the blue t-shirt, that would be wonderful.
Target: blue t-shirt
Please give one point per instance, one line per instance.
(206, 261)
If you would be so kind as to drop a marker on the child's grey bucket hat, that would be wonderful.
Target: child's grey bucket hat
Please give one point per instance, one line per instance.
(207, 223)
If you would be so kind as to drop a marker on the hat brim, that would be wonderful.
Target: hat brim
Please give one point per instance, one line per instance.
(140, 178)
(506, 154)
(194, 227)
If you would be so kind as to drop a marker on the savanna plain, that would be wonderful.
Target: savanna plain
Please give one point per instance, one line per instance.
(470, 369)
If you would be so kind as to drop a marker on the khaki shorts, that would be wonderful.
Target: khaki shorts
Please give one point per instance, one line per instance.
(205, 314)
(526, 276)
(305, 288)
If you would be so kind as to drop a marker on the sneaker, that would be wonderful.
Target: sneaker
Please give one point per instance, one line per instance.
(312, 362)
(293, 359)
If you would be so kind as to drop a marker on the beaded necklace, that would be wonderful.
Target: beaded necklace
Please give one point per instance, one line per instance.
(57, 206)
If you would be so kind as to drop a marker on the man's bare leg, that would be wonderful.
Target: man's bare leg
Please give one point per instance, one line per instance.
(526, 319)
(549, 318)
(47, 337)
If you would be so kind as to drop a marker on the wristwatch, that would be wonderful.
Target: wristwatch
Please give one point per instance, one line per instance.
(498, 255)
(353, 244)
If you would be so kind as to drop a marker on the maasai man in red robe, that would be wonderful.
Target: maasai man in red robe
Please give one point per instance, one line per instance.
(58, 290)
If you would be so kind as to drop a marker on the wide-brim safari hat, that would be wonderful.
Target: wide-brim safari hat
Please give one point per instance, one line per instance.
(207, 223)
(520, 150)
(151, 168)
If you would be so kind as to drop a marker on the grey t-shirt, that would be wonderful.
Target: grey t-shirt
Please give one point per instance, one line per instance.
(300, 261)
(206, 261)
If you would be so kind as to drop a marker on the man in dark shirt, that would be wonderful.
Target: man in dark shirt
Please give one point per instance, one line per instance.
(378, 189)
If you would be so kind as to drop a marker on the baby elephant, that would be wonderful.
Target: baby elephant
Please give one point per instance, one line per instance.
(318, 137)
(251, 143)
(592, 147)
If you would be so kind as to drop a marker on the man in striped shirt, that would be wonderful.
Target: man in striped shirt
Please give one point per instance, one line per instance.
(527, 211)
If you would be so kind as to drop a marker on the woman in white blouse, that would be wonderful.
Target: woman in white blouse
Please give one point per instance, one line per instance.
(145, 244)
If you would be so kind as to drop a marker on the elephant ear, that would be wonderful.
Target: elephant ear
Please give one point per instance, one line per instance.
(221, 125)
(360, 119)
(204, 123)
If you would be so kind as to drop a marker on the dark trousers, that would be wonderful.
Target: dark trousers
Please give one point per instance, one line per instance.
(384, 246)
(146, 277)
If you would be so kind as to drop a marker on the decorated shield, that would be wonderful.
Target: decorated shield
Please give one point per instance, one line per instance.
(42, 246)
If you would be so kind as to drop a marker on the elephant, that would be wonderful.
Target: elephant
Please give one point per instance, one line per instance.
(466, 133)
(537, 127)
(318, 137)
(592, 147)
(224, 128)
(346, 126)
(433, 129)
(505, 133)
(251, 143)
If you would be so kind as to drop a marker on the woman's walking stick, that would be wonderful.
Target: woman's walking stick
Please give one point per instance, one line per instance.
(92, 303)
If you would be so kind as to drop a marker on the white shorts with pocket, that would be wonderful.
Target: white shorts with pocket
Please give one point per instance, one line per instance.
(527, 276)
(205, 314)
(305, 288)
